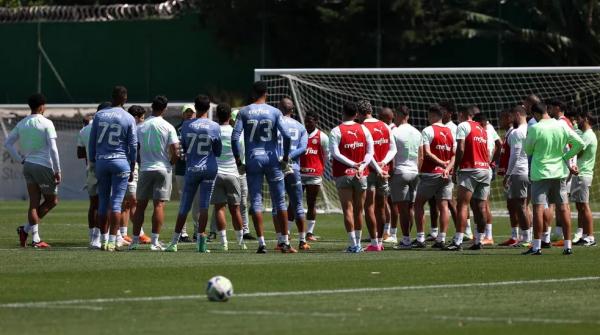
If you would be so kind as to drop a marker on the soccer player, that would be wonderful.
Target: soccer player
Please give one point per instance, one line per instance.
(582, 180)
(390, 228)
(556, 110)
(384, 150)
(41, 166)
(113, 151)
(260, 123)
(438, 149)
(159, 150)
(188, 112)
(408, 158)
(293, 181)
(227, 190)
(91, 181)
(516, 180)
(545, 142)
(312, 167)
(201, 141)
(474, 177)
(351, 147)
(494, 145)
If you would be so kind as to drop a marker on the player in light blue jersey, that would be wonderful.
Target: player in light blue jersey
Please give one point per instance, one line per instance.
(260, 123)
(293, 181)
(113, 152)
(201, 142)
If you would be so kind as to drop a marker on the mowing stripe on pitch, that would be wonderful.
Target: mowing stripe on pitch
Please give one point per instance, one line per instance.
(44, 304)
(510, 320)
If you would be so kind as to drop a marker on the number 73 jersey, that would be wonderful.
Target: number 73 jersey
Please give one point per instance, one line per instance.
(201, 140)
(113, 135)
(259, 123)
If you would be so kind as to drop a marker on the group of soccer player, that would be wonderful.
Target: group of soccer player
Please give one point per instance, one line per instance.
(384, 169)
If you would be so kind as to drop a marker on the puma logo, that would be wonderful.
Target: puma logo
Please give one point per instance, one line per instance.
(443, 135)
(377, 130)
(351, 132)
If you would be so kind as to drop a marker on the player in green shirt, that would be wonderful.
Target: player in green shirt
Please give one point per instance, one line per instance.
(582, 181)
(545, 142)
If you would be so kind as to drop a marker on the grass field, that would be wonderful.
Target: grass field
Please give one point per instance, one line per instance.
(70, 290)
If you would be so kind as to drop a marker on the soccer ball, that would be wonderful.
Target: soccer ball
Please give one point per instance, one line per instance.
(219, 288)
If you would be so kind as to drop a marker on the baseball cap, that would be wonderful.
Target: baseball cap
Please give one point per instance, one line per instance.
(188, 106)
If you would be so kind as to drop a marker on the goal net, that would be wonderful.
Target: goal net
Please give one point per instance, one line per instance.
(493, 89)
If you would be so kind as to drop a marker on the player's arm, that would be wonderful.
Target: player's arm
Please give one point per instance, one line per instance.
(51, 142)
(460, 152)
(301, 148)
(9, 144)
(334, 143)
(235, 139)
(420, 157)
(325, 146)
(174, 149)
(92, 141)
(530, 140)
(285, 135)
(576, 143)
(391, 153)
(217, 145)
(80, 147)
(369, 157)
(497, 149)
(132, 144)
(428, 154)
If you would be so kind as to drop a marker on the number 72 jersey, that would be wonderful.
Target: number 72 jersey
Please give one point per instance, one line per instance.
(201, 140)
(113, 135)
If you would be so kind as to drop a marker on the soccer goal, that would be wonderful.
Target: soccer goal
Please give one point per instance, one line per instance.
(493, 89)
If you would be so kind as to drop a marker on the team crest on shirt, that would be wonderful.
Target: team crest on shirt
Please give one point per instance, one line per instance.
(351, 132)
(314, 141)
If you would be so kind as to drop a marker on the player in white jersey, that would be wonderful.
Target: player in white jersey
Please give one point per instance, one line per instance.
(41, 166)
(159, 150)
(405, 175)
(390, 228)
(227, 188)
(494, 144)
(91, 181)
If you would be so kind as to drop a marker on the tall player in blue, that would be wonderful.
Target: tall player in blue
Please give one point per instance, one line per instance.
(260, 123)
(293, 181)
(201, 142)
(113, 152)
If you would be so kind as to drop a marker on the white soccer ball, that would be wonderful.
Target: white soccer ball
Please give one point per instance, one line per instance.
(219, 288)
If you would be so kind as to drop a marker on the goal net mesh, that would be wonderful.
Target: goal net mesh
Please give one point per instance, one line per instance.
(493, 90)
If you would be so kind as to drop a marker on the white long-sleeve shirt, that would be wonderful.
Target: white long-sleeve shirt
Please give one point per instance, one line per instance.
(334, 143)
(389, 155)
(37, 141)
(517, 162)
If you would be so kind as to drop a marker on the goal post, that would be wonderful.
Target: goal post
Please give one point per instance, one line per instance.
(494, 89)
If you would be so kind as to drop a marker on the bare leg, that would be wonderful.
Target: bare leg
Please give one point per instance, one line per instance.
(370, 213)
(138, 217)
(158, 216)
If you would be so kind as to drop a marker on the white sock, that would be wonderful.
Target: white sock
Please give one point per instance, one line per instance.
(421, 236)
(458, 238)
(239, 236)
(123, 231)
(302, 237)
(435, 231)
(546, 237)
(526, 235)
(374, 242)
(261, 240)
(488, 231)
(358, 234)
(154, 239)
(112, 238)
(104, 237)
(352, 238)
(223, 235)
(537, 244)
(136, 239)
(558, 232)
(468, 229)
(579, 231)
(441, 237)
(394, 232)
(568, 244)
(35, 233)
(91, 234)
(386, 228)
(285, 239)
(118, 233)
(514, 232)
(175, 238)
(142, 231)
(278, 237)
(311, 225)
(591, 238)
(27, 227)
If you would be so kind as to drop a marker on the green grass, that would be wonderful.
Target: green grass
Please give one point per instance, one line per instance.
(69, 271)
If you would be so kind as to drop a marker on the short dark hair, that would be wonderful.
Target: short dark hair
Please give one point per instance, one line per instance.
(103, 105)
(136, 111)
(472, 110)
(480, 117)
(159, 103)
(202, 104)
(571, 111)
(591, 118)
(259, 88)
(555, 102)
(402, 110)
(533, 99)
(519, 109)
(448, 105)
(435, 109)
(312, 114)
(223, 112)
(36, 100)
(349, 109)
(364, 107)
(119, 94)
(539, 108)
